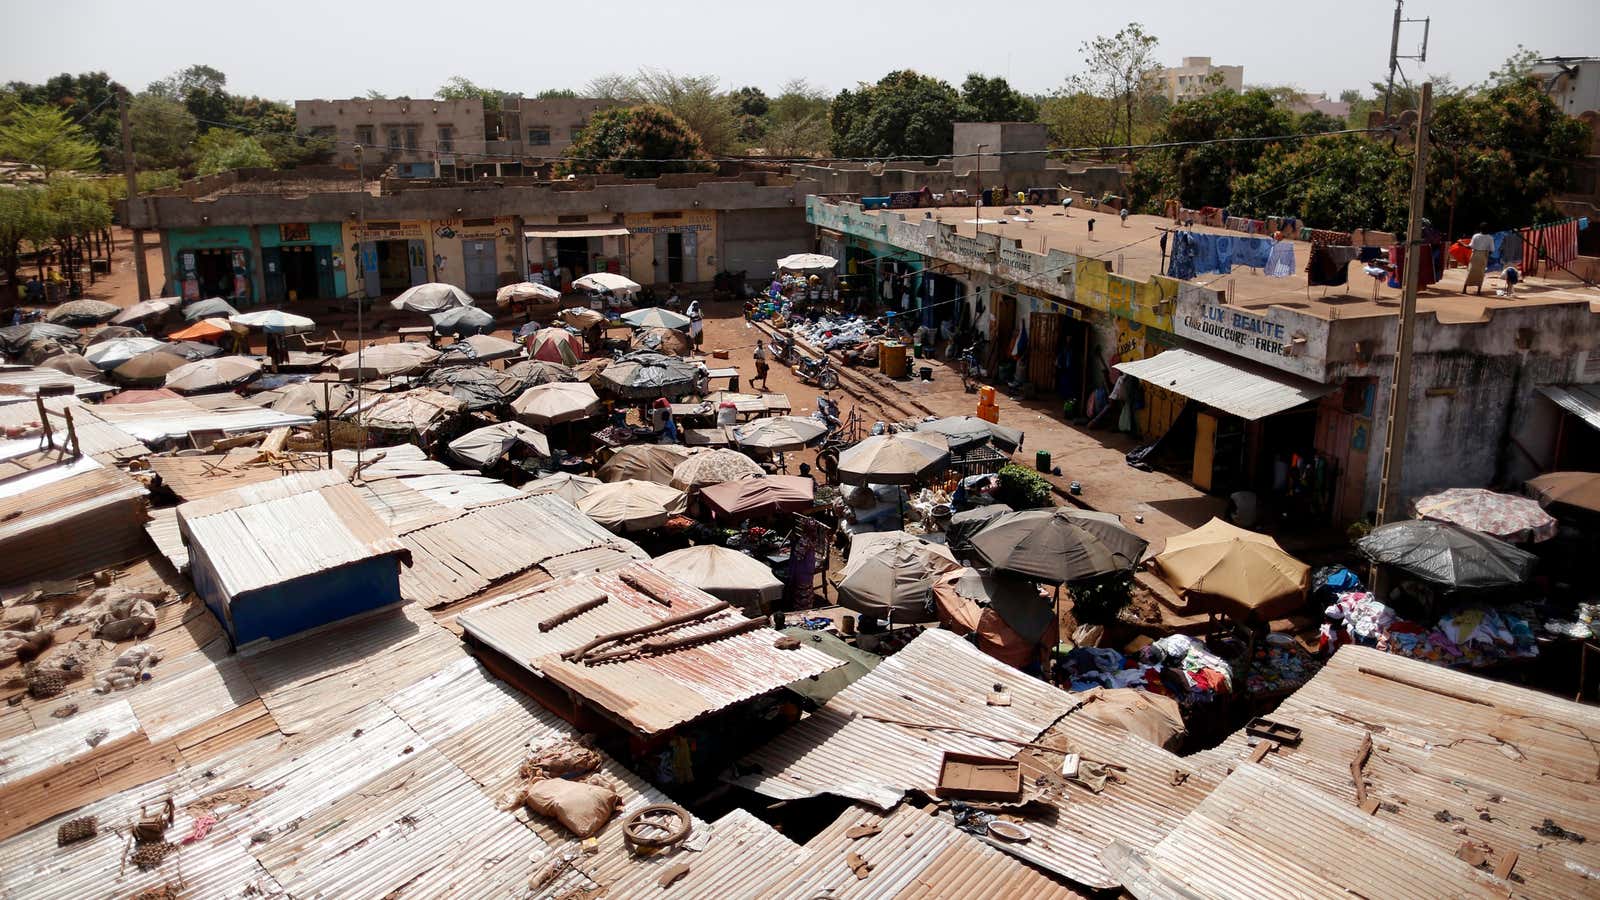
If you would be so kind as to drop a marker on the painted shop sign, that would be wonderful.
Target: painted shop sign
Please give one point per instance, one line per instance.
(1277, 337)
(668, 229)
(387, 231)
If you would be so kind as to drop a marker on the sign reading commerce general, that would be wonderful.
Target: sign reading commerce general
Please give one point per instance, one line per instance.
(1277, 337)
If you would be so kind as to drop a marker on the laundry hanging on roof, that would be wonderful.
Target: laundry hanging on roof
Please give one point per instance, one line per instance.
(1280, 260)
(1252, 252)
(1426, 274)
(1329, 266)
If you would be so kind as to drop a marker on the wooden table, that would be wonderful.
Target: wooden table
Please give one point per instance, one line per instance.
(407, 332)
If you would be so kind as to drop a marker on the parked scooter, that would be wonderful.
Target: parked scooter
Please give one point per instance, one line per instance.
(817, 372)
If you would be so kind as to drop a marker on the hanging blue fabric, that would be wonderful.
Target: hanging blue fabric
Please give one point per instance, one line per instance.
(1225, 253)
(1280, 260)
(1181, 264)
(1251, 252)
(1205, 252)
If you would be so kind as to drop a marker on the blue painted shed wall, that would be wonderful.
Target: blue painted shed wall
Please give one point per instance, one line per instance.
(303, 603)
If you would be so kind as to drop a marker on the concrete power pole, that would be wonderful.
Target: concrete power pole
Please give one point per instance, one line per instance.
(128, 170)
(1394, 59)
(1390, 489)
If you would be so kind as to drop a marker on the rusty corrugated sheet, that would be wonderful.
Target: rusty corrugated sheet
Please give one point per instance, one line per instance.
(937, 679)
(1449, 750)
(22, 385)
(652, 693)
(912, 855)
(155, 421)
(68, 517)
(197, 477)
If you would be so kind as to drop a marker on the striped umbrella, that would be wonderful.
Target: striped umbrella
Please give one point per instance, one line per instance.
(556, 345)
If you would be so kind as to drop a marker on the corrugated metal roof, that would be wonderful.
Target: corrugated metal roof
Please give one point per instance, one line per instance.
(1582, 400)
(652, 693)
(419, 410)
(198, 477)
(937, 679)
(402, 508)
(912, 855)
(67, 517)
(38, 750)
(1233, 386)
(739, 860)
(156, 421)
(453, 560)
(1449, 750)
(96, 438)
(275, 531)
(163, 530)
(24, 384)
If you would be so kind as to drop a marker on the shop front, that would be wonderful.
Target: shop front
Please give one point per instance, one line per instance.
(394, 255)
(211, 262)
(560, 253)
(477, 255)
(675, 247)
(302, 261)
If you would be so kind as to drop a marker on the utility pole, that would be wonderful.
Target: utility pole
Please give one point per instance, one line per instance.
(1394, 52)
(1394, 446)
(128, 172)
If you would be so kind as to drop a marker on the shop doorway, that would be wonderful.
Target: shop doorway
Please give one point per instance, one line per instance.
(400, 265)
(674, 258)
(477, 260)
(214, 270)
(304, 273)
(572, 255)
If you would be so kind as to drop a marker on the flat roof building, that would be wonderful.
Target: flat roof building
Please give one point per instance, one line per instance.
(1197, 77)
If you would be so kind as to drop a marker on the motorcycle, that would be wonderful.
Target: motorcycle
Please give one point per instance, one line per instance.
(817, 372)
(783, 349)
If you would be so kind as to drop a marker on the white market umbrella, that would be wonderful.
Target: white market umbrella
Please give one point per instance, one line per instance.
(273, 321)
(143, 310)
(556, 401)
(723, 573)
(895, 458)
(113, 353)
(205, 309)
(713, 467)
(384, 361)
(483, 447)
(805, 262)
(212, 374)
(565, 485)
(526, 292)
(633, 505)
(431, 298)
(606, 281)
(779, 433)
(481, 348)
(655, 317)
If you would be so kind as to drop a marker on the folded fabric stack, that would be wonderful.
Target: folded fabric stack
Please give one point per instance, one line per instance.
(1472, 636)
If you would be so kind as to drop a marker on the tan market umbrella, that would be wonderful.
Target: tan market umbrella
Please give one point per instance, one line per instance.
(384, 361)
(633, 505)
(1576, 489)
(890, 574)
(898, 458)
(145, 309)
(582, 319)
(713, 467)
(526, 292)
(73, 364)
(565, 485)
(779, 433)
(308, 398)
(481, 348)
(1225, 569)
(666, 341)
(149, 367)
(558, 401)
(82, 313)
(643, 462)
(759, 496)
(483, 447)
(431, 298)
(212, 374)
(724, 573)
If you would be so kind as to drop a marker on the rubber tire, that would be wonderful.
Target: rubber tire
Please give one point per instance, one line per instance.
(828, 381)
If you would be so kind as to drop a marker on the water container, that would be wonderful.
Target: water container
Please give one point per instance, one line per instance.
(986, 395)
(1041, 460)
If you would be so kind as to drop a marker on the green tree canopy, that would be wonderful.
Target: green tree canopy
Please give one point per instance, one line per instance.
(630, 140)
(995, 100)
(221, 150)
(45, 137)
(797, 121)
(163, 132)
(1202, 174)
(88, 98)
(1339, 181)
(203, 90)
(749, 101)
(459, 87)
(556, 94)
(904, 114)
(1121, 69)
(21, 219)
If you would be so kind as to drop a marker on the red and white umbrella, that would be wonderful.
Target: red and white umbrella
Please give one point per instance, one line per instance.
(556, 345)
(1504, 516)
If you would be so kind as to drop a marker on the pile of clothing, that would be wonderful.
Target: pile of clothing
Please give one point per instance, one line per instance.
(1178, 665)
(1279, 665)
(836, 332)
(1199, 253)
(1468, 637)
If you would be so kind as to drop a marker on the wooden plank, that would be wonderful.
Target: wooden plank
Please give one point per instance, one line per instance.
(112, 767)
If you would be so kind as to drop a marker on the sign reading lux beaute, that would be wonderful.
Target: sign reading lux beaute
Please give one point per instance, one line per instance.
(1278, 337)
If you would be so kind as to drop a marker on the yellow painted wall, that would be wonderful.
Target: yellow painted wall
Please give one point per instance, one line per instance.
(447, 235)
(406, 230)
(644, 227)
(1148, 302)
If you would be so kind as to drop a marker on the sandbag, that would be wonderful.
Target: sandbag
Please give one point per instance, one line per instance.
(1151, 717)
(581, 807)
(562, 758)
(126, 617)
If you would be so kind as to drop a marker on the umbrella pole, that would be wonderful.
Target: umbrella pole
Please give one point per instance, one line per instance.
(1050, 651)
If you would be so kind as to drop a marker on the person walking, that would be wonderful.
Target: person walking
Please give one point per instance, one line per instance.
(760, 357)
(697, 325)
(1482, 244)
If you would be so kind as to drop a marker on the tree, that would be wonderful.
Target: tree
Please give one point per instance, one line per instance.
(21, 219)
(1079, 119)
(1339, 181)
(904, 114)
(695, 99)
(797, 121)
(1122, 69)
(1518, 65)
(1202, 174)
(633, 141)
(375, 94)
(163, 132)
(556, 94)
(994, 100)
(88, 99)
(43, 136)
(749, 101)
(1498, 155)
(1317, 122)
(221, 150)
(459, 87)
(202, 90)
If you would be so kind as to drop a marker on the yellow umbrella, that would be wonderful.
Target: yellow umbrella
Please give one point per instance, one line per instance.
(1225, 569)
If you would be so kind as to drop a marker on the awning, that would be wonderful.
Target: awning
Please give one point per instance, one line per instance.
(1582, 400)
(1233, 387)
(576, 231)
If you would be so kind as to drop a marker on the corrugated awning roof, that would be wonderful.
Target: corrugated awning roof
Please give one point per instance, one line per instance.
(575, 231)
(1233, 387)
(1582, 400)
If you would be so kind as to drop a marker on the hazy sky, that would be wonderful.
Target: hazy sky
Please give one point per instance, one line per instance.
(289, 49)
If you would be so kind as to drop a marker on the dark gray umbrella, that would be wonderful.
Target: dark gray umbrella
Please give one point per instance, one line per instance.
(203, 309)
(79, 313)
(647, 374)
(963, 525)
(462, 320)
(1058, 545)
(190, 350)
(530, 372)
(967, 431)
(479, 387)
(1447, 554)
(15, 339)
(112, 332)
